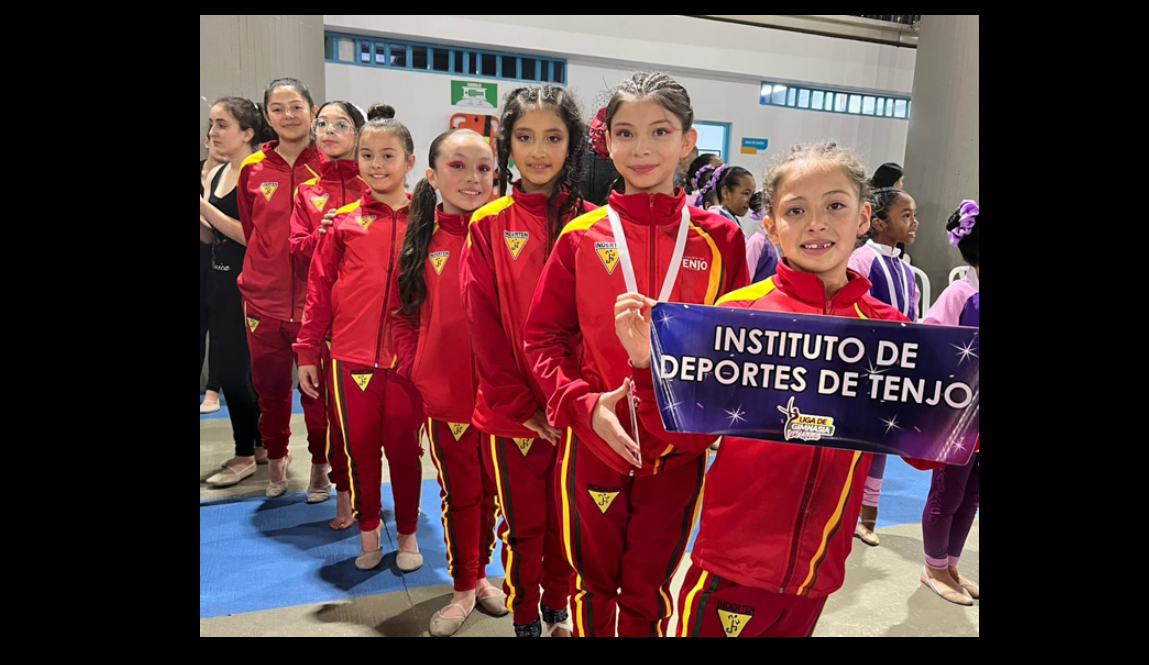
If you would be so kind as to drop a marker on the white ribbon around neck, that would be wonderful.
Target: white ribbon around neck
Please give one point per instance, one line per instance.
(624, 254)
(619, 233)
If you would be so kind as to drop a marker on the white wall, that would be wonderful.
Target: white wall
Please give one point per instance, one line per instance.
(679, 43)
(738, 59)
(239, 54)
(422, 101)
(878, 140)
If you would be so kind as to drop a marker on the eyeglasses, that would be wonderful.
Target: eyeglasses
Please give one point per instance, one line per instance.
(339, 126)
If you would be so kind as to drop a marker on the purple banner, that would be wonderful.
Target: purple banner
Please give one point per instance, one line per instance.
(856, 384)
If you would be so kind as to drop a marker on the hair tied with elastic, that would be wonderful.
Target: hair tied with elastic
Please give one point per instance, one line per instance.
(714, 179)
(698, 176)
(969, 211)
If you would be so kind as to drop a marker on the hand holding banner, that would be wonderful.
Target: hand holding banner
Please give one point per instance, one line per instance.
(855, 384)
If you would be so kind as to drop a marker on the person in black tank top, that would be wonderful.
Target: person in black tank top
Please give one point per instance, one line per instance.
(232, 136)
(210, 402)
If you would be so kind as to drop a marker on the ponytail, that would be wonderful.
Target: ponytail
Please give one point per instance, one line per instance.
(412, 286)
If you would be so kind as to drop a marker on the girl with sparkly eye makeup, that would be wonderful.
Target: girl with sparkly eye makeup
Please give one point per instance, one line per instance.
(431, 336)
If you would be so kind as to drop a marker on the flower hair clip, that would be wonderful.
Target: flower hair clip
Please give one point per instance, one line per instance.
(969, 211)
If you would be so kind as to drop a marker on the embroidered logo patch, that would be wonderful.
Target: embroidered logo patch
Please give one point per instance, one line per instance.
(608, 254)
(516, 241)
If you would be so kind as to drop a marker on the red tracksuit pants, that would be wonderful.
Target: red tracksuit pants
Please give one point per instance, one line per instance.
(379, 411)
(714, 607)
(625, 537)
(272, 375)
(524, 473)
(336, 456)
(468, 496)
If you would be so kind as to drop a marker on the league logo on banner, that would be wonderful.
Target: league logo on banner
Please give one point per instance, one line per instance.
(854, 384)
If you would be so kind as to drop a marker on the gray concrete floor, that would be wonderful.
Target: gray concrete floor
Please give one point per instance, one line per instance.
(883, 596)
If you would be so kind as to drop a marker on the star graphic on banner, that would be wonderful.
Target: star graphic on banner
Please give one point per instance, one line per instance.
(891, 424)
(737, 416)
(665, 319)
(672, 406)
(966, 352)
(953, 446)
(874, 371)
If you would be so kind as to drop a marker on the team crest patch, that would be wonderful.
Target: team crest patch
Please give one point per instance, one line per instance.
(362, 379)
(734, 618)
(608, 254)
(524, 445)
(516, 241)
(252, 323)
(366, 221)
(458, 430)
(439, 260)
(603, 497)
(320, 201)
(268, 189)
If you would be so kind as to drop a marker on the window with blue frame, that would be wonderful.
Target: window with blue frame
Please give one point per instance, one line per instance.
(453, 60)
(713, 138)
(831, 101)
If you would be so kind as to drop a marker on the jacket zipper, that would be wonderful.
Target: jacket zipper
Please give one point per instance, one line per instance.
(786, 580)
(387, 285)
(291, 263)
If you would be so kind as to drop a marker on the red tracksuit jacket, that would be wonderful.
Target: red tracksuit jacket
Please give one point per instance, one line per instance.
(272, 284)
(777, 516)
(338, 185)
(570, 337)
(506, 250)
(436, 348)
(354, 287)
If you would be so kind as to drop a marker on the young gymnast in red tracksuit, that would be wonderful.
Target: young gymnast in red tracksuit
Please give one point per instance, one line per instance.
(777, 519)
(510, 239)
(432, 341)
(338, 185)
(627, 515)
(353, 292)
(273, 284)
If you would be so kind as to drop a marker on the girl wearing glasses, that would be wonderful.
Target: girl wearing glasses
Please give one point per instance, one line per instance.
(315, 203)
